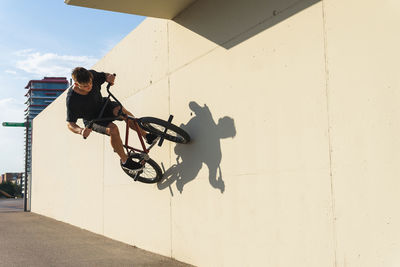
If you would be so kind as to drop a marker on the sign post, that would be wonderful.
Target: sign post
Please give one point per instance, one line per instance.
(16, 124)
(27, 125)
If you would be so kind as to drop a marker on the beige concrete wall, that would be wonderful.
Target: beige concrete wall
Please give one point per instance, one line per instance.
(292, 109)
(362, 56)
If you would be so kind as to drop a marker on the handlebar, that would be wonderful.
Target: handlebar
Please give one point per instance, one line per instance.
(109, 84)
(109, 94)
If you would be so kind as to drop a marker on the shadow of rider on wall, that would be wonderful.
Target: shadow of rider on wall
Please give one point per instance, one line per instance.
(205, 148)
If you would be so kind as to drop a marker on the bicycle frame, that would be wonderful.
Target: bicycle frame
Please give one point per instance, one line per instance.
(128, 148)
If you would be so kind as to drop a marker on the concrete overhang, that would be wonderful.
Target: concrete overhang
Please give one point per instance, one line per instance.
(166, 9)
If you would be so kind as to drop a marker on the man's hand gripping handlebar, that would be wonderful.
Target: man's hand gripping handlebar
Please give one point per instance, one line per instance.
(86, 132)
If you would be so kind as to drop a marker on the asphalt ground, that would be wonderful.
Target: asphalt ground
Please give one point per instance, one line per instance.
(29, 239)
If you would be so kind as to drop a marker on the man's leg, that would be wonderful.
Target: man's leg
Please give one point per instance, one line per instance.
(130, 122)
(116, 142)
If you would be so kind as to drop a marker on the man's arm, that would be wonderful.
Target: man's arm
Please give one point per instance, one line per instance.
(73, 127)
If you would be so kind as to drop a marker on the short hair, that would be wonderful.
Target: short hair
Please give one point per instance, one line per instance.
(81, 75)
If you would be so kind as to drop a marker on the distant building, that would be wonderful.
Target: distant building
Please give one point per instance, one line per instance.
(13, 177)
(41, 93)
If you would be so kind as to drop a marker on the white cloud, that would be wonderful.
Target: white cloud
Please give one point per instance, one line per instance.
(22, 53)
(51, 64)
(13, 72)
(11, 109)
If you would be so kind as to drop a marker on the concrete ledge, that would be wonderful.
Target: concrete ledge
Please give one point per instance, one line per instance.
(149, 8)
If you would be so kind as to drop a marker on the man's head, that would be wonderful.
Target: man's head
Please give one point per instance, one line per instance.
(82, 78)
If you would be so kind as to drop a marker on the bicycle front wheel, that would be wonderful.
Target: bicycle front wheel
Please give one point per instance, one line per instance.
(151, 172)
(164, 129)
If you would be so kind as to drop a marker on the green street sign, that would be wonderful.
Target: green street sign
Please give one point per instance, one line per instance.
(15, 124)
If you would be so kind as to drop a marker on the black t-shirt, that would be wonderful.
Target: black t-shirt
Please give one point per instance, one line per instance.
(88, 106)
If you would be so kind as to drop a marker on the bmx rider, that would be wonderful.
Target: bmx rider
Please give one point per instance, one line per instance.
(84, 101)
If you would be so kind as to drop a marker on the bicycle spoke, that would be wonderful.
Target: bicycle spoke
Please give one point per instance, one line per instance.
(148, 173)
(162, 129)
(151, 172)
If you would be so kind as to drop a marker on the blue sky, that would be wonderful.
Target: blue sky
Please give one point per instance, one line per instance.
(47, 38)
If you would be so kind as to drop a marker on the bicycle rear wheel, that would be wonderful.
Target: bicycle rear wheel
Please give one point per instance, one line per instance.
(151, 172)
(157, 126)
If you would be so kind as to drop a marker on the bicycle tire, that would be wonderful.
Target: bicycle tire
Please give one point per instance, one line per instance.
(150, 174)
(158, 126)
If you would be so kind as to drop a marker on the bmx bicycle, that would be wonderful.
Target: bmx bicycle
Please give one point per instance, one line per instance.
(151, 172)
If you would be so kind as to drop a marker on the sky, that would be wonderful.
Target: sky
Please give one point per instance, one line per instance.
(47, 38)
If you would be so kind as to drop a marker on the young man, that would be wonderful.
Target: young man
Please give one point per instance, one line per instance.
(84, 100)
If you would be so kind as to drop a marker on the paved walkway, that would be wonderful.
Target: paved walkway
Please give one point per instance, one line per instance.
(29, 239)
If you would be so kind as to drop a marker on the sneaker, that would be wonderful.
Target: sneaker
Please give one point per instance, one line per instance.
(131, 165)
(150, 138)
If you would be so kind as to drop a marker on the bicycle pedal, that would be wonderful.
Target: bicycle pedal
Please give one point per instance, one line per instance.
(137, 175)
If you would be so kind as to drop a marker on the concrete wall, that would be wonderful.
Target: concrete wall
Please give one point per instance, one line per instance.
(293, 111)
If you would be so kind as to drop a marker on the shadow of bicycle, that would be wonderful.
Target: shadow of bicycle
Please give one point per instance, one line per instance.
(205, 148)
